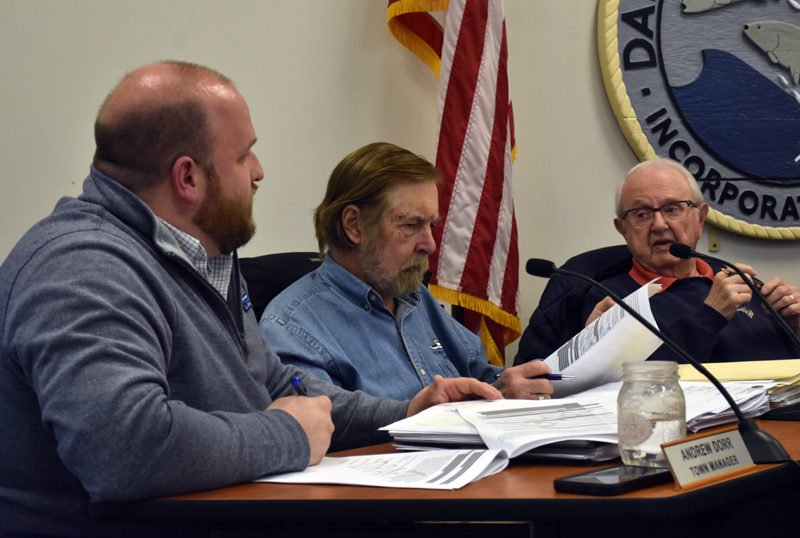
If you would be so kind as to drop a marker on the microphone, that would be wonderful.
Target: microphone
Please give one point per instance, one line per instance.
(763, 447)
(542, 268)
(685, 252)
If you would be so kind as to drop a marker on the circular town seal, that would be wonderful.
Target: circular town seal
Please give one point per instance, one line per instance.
(715, 85)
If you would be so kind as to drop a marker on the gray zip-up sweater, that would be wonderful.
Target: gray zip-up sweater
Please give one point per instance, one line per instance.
(124, 375)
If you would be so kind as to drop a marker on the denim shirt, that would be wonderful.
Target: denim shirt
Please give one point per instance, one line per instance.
(333, 325)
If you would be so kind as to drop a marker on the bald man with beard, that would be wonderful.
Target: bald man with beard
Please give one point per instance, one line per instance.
(131, 365)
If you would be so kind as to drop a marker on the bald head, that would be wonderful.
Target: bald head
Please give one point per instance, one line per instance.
(156, 114)
(654, 164)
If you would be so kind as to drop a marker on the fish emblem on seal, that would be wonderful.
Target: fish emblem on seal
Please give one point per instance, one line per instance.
(699, 6)
(780, 41)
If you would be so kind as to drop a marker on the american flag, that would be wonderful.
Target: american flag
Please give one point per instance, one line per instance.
(476, 266)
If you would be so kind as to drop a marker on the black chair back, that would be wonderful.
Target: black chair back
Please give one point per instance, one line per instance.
(270, 274)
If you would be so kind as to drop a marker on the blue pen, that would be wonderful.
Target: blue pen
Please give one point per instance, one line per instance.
(299, 386)
(554, 377)
(551, 377)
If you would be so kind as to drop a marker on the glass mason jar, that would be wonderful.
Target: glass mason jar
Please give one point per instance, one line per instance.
(651, 410)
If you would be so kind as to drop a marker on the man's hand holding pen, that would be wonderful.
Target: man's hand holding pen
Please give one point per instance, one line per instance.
(526, 381)
(728, 291)
(314, 416)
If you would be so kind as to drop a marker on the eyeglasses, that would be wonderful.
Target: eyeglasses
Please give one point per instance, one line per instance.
(641, 216)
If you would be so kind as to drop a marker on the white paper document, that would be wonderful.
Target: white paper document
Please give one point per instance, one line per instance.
(429, 469)
(506, 429)
(595, 355)
(517, 426)
(514, 426)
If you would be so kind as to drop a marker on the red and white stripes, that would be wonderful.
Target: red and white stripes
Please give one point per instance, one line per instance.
(477, 263)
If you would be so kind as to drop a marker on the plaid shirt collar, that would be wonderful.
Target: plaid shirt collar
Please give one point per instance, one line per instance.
(217, 270)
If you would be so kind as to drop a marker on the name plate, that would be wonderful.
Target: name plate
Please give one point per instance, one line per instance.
(709, 458)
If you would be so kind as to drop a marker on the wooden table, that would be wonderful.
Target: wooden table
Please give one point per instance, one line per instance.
(521, 493)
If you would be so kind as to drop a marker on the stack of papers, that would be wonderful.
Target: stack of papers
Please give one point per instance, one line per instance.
(706, 407)
(520, 426)
(784, 396)
(506, 429)
(513, 426)
(785, 374)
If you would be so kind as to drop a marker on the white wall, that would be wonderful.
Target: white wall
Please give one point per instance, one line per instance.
(322, 77)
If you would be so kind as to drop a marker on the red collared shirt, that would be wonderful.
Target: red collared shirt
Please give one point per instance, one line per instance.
(642, 276)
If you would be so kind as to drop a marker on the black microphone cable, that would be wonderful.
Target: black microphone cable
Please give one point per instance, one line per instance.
(685, 252)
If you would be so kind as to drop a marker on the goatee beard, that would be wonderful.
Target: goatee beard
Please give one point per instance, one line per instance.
(406, 281)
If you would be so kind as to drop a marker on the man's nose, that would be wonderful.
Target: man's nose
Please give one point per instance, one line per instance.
(257, 173)
(428, 243)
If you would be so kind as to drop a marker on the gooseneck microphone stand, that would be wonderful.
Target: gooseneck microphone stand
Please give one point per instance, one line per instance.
(763, 447)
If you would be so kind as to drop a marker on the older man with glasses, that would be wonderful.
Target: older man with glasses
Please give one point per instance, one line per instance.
(708, 311)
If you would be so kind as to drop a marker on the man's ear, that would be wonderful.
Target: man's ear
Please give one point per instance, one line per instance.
(703, 214)
(351, 224)
(185, 179)
(620, 228)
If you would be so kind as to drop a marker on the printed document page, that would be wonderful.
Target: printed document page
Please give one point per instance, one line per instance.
(430, 469)
(517, 426)
(595, 355)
